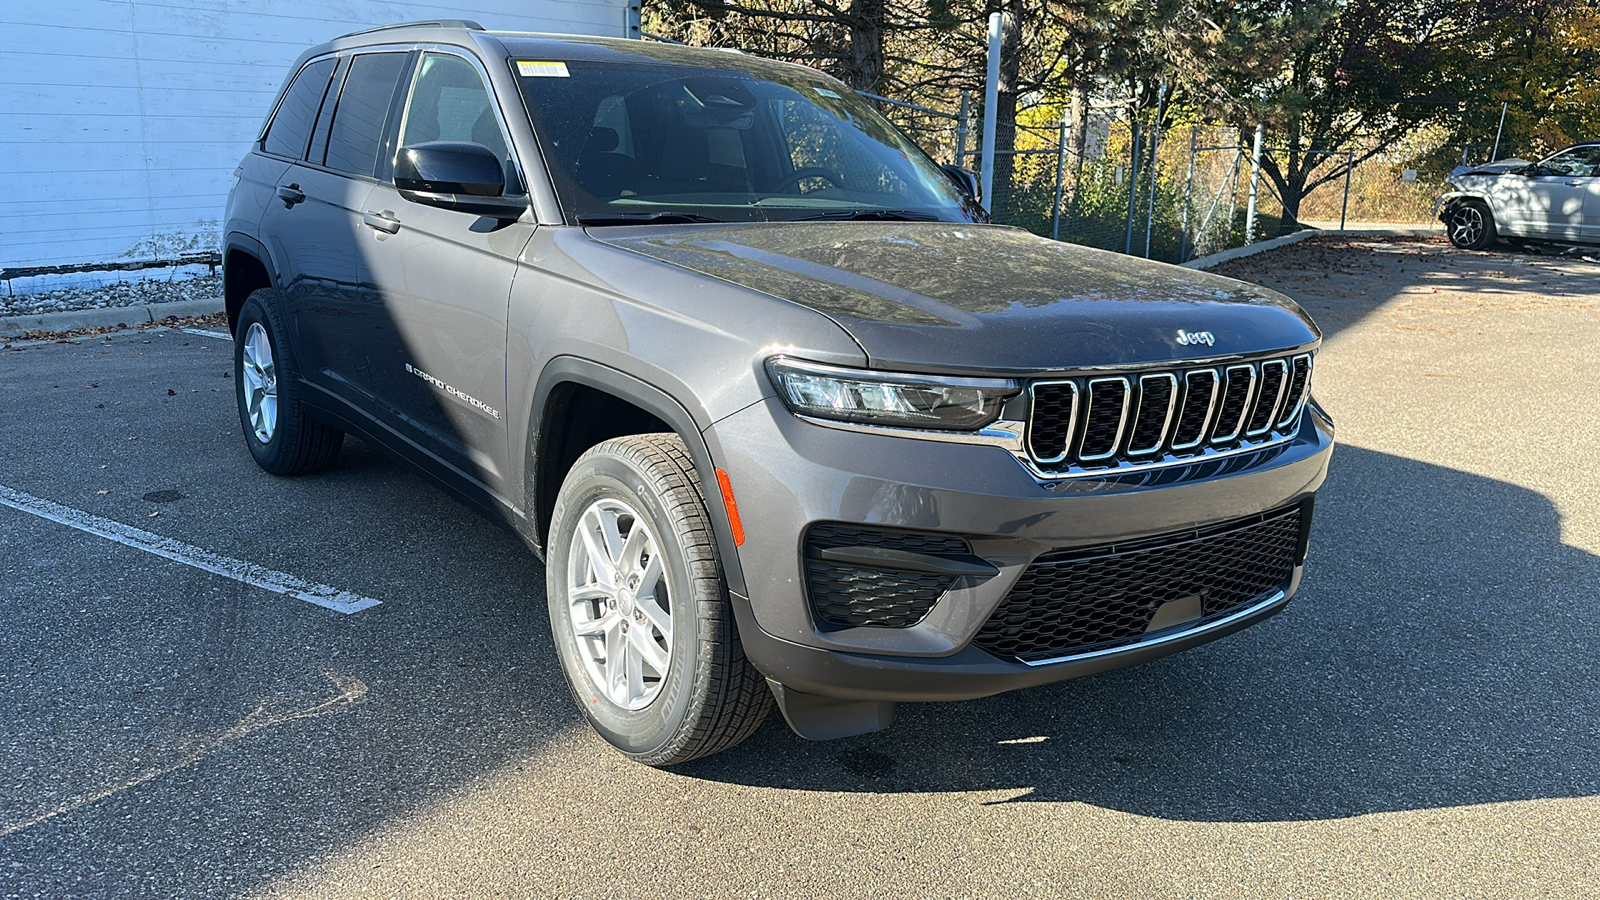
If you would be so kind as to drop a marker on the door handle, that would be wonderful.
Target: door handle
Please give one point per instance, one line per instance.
(291, 194)
(1574, 184)
(382, 221)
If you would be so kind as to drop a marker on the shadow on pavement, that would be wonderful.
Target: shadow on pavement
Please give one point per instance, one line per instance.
(1443, 652)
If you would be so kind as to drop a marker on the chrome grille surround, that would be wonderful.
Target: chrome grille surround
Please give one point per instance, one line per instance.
(1242, 406)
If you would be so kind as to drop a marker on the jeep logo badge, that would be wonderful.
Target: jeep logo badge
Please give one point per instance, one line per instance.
(1187, 338)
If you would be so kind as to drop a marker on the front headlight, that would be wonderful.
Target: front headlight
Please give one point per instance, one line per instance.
(896, 400)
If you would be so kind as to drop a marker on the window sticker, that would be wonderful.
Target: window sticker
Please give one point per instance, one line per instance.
(826, 93)
(529, 68)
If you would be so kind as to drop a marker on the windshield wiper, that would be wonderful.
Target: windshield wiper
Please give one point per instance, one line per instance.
(642, 218)
(870, 215)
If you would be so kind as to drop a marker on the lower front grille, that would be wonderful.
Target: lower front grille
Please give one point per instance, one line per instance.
(847, 595)
(1080, 600)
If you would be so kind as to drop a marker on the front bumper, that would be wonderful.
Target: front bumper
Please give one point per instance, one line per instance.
(788, 474)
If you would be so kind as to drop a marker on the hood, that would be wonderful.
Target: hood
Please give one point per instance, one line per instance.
(945, 297)
(1498, 167)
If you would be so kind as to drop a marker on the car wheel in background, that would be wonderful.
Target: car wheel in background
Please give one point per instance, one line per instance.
(639, 608)
(283, 440)
(1470, 225)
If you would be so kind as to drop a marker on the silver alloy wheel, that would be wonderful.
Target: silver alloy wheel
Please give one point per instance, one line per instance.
(260, 373)
(619, 606)
(1466, 225)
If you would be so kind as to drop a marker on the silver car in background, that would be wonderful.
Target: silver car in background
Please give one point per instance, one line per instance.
(1555, 199)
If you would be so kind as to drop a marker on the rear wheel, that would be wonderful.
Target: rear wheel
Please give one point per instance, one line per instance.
(1470, 225)
(639, 608)
(281, 438)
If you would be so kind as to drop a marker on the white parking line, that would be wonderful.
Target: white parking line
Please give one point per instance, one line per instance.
(188, 554)
(210, 334)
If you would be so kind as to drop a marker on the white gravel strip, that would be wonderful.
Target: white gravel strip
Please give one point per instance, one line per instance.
(143, 292)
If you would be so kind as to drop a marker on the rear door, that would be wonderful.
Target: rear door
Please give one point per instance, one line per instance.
(316, 227)
(444, 279)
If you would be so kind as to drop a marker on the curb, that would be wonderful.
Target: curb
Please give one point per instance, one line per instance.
(108, 316)
(1206, 262)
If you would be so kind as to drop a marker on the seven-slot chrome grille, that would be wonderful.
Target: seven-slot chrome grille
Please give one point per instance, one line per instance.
(1101, 423)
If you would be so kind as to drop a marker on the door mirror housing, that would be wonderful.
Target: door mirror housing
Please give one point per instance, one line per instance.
(456, 175)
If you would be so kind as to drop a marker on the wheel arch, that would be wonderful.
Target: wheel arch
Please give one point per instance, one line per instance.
(246, 268)
(578, 403)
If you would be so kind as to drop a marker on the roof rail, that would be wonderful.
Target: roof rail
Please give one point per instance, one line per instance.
(467, 24)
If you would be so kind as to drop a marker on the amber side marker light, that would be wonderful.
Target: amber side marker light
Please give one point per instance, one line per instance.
(732, 507)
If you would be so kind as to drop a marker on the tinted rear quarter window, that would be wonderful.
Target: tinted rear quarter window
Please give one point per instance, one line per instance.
(363, 109)
(291, 127)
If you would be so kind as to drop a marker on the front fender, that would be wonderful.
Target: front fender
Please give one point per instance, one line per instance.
(1441, 208)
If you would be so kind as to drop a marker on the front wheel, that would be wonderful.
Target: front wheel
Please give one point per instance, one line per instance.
(1470, 225)
(639, 608)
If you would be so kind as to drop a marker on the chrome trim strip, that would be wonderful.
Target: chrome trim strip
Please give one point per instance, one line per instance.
(1169, 638)
(1072, 421)
(1283, 386)
(1133, 468)
(1166, 423)
(1305, 392)
(1122, 422)
(1249, 395)
(1003, 433)
(1211, 405)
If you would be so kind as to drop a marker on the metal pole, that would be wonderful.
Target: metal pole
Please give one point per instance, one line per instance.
(1495, 154)
(1155, 168)
(1133, 188)
(1188, 197)
(632, 23)
(1061, 172)
(991, 110)
(961, 129)
(1349, 165)
(1255, 178)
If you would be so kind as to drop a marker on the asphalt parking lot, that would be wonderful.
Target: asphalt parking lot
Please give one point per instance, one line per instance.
(1424, 720)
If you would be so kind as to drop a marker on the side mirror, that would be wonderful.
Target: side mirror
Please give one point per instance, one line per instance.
(968, 182)
(456, 175)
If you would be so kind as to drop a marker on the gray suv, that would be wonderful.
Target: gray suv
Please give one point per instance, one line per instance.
(787, 421)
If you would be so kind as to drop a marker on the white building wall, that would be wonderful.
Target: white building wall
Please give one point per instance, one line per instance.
(121, 122)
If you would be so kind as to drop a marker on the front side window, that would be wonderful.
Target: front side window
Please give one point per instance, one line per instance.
(449, 102)
(1580, 162)
(628, 141)
(363, 110)
(290, 130)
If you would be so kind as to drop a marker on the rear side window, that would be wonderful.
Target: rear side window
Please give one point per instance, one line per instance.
(362, 112)
(290, 130)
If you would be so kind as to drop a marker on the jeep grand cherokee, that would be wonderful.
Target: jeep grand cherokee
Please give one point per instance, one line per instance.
(786, 419)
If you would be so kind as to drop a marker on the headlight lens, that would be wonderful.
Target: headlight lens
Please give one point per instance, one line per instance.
(878, 398)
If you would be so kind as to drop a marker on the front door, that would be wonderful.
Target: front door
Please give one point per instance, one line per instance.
(444, 278)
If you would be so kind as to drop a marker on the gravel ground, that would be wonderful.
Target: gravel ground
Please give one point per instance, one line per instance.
(123, 293)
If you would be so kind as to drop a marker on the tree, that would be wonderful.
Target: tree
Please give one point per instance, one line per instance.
(1337, 77)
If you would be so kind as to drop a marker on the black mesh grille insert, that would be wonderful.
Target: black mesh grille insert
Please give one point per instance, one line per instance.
(1053, 411)
(1273, 374)
(1074, 601)
(1150, 424)
(1196, 406)
(1235, 394)
(843, 594)
(1103, 423)
(1298, 378)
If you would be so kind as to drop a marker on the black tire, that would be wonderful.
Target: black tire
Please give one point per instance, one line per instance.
(293, 444)
(1470, 225)
(709, 698)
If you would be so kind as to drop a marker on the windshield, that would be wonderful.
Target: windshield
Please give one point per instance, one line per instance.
(641, 142)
